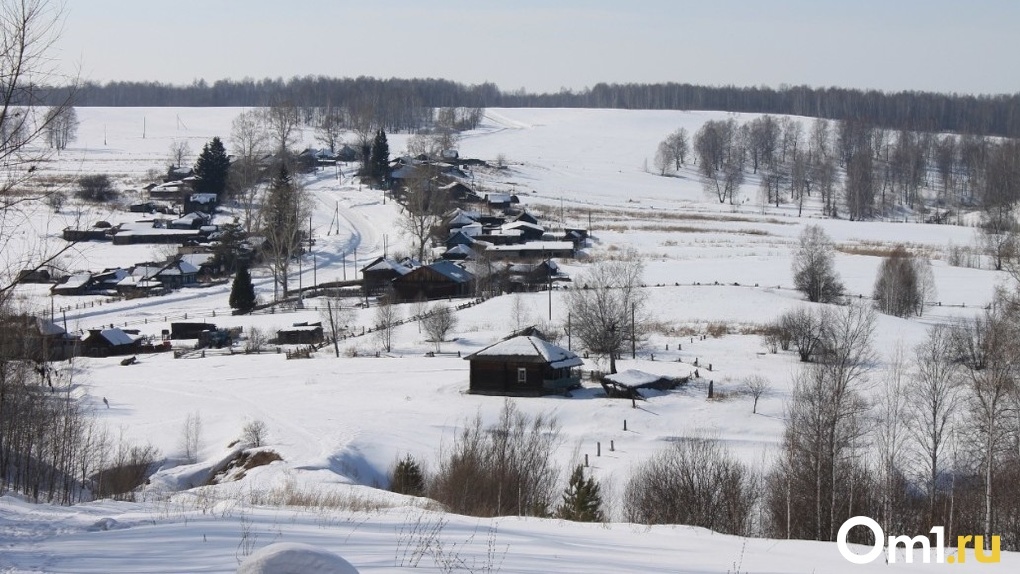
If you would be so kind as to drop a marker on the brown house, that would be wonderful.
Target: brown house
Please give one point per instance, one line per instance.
(438, 280)
(523, 366)
(110, 343)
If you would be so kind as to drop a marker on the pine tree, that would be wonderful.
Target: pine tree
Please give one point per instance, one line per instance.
(408, 477)
(242, 292)
(212, 167)
(379, 168)
(582, 501)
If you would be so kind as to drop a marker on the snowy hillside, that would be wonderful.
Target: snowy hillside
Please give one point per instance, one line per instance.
(340, 424)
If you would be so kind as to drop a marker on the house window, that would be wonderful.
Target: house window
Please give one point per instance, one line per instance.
(522, 375)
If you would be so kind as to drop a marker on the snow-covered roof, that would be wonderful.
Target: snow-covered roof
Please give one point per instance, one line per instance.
(523, 225)
(48, 328)
(76, 281)
(386, 264)
(523, 347)
(497, 197)
(452, 270)
(117, 337)
(461, 220)
(534, 246)
(197, 259)
(632, 378)
(203, 198)
(461, 250)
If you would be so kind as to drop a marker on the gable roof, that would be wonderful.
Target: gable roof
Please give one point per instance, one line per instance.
(529, 349)
(633, 378)
(452, 271)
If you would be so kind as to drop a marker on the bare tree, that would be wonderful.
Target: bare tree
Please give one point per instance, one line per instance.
(679, 146)
(424, 208)
(283, 123)
(29, 29)
(439, 323)
(248, 139)
(191, 437)
(338, 320)
(387, 316)
(986, 348)
(898, 290)
(891, 435)
(254, 433)
(756, 386)
(607, 306)
(520, 313)
(62, 126)
(934, 392)
(814, 273)
(722, 158)
(180, 151)
(330, 128)
(283, 216)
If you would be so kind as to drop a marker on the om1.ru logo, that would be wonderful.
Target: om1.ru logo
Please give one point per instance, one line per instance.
(909, 544)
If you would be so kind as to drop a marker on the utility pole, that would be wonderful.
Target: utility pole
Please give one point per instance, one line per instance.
(633, 338)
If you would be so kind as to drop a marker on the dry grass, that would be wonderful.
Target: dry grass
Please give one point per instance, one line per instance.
(884, 249)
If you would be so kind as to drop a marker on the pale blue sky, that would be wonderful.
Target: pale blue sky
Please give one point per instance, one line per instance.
(937, 45)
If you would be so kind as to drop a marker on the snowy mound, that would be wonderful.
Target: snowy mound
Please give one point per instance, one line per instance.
(293, 558)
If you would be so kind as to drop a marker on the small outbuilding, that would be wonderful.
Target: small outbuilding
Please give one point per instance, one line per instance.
(523, 366)
(301, 334)
(110, 342)
(627, 384)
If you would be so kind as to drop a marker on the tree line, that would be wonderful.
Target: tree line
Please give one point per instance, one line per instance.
(856, 170)
(401, 101)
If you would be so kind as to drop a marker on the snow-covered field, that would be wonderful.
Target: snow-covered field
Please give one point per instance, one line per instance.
(341, 423)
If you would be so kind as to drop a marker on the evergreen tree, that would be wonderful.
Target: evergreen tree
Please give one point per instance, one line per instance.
(212, 168)
(408, 477)
(582, 501)
(379, 167)
(242, 292)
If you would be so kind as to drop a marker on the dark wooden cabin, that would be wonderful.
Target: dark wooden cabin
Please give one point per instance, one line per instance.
(523, 366)
(438, 280)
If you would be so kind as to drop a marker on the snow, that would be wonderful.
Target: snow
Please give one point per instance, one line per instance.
(294, 558)
(632, 378)
(339, 424)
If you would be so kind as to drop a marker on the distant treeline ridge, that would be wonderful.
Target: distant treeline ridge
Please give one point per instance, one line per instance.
(399, 103)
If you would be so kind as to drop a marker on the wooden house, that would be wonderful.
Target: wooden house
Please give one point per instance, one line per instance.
(438, 280)
(377, 275)
(533, 276)
(523, 366)
(301, 334)
(31, 338)
(110, 343)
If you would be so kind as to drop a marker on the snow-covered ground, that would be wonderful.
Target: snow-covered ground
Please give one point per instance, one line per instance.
(340, 423)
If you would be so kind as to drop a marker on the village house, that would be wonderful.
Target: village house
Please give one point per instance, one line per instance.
(438, 280)
(32, 338)
(525, 365)
(378, 274)
(532, 250)
(110, 343)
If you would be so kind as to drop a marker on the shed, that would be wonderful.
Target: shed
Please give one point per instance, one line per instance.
(300, 334)
(523, 366)
(627, 384)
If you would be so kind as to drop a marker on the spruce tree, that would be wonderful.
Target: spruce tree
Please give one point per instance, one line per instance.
(408, 477)
(242, 292)
(379, 167)
(582, 500)
(212, 167)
